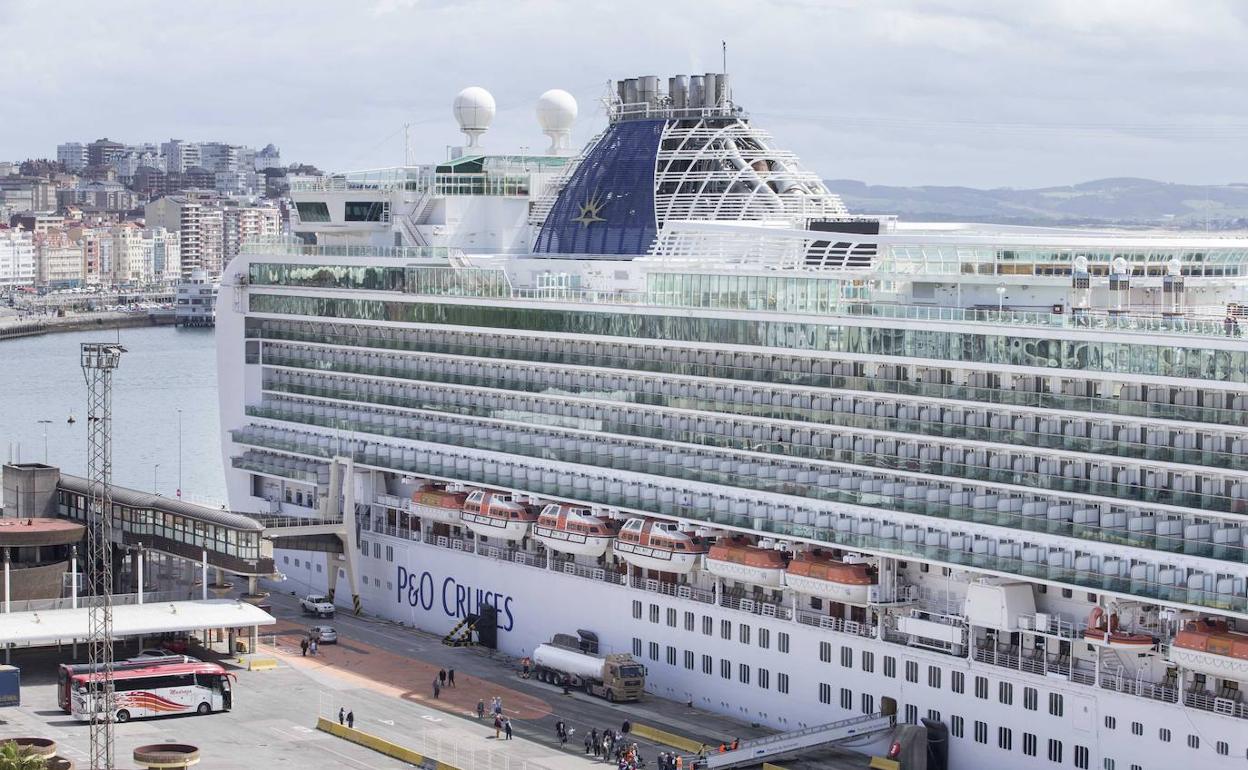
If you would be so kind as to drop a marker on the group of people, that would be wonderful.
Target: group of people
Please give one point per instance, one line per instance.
(309, 644)
(502, 725)
(1231, 325)
(346, 717)
(443, 679)
(608, 745)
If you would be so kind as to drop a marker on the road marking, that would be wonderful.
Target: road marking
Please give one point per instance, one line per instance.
(387, 722)
(430, 718)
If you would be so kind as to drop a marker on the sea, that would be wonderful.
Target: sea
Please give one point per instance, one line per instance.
(166, 432)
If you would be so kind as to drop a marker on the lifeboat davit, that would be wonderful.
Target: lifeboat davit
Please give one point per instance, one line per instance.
(438, 505)
(744, 563)
(574, 530)
(817, 574)
(1210, 647)
(496, 514)
(657, 545)
(1103, 630)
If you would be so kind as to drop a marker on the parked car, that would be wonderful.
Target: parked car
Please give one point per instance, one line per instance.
(323, 634)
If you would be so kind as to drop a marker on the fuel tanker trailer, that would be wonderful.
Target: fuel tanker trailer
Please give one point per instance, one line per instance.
(616, 677)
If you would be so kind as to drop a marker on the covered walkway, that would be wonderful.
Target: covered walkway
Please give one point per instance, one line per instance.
(37, 627)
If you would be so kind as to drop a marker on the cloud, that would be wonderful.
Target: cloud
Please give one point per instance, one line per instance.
(888, 91)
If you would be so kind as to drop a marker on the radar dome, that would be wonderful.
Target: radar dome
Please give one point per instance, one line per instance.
(556, 112)
(474, 111)
(1081, 264)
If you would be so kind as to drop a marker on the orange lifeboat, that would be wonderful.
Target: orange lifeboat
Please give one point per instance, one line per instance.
(818, 574)
(737, 560)
(1210, 647)
(496, 514)
(1104, 630)
(658, 545)
(438, 505)
(574, 530)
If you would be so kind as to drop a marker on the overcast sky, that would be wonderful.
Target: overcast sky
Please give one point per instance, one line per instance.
(963, 92)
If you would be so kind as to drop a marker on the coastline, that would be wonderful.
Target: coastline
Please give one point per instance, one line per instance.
(15, 330)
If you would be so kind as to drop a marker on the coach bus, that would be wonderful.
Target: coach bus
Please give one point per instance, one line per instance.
(158, 690)
(66, 671)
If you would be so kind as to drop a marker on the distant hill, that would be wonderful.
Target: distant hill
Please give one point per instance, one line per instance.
(1123, 201)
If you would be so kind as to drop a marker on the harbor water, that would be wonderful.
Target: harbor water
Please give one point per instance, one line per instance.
(165, 371)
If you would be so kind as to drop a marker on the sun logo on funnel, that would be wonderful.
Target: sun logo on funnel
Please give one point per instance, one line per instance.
(591, 211)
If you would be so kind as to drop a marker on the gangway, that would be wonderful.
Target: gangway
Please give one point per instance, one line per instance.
(759, 750)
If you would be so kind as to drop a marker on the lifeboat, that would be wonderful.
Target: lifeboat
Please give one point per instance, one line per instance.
(1103, 630)
(496, 514)
(574, 530)
(817, 574)
(438, 505)
(744, 563)
(1209, 646)
(657, 545)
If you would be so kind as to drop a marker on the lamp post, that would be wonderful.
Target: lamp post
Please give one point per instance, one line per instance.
(45, 424)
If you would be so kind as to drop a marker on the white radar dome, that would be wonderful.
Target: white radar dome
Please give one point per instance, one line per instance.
(1081, 264)
(474, 111)
(556, 112)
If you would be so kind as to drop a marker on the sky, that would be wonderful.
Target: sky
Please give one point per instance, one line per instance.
(904, 92)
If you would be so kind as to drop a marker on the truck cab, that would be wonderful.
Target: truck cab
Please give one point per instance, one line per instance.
(624, 678)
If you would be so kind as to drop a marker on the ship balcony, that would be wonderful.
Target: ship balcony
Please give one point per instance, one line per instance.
(1102, 397)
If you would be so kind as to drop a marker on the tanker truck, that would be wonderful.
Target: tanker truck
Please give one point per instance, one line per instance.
(616, 677)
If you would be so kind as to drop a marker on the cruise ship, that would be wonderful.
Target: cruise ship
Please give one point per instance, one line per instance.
(797, 460)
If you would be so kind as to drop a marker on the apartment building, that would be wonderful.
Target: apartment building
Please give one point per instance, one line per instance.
(17, 258)
(243, 223)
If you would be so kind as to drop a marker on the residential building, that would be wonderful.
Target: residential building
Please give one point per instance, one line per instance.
(113, 196)
(72, 155)
(131, 255)
(17, 258)
(198, 223)
(269, 157)
(243, 223)
(102, 152)
(166, 254)
(218, 156)
(38, 223)
(59, 259)
(212, 230)
(26, 193)
(180, 155)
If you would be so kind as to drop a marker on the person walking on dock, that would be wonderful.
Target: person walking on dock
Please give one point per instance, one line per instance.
(507, 728)
(442, 677)
(498, 725)
(481, 709)
(437, 689)
(303, 647)
(450, 677)
(595, 742)
(351, 719)
(342, 715)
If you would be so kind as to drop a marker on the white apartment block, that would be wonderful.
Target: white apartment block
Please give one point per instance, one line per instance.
(72, 155)
(244, 223)
(17, 258)
(60, 260)
(199, 228)
(166, 254)
(180, 155)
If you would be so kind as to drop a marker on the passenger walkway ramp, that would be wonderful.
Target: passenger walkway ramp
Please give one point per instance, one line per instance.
(759, 750)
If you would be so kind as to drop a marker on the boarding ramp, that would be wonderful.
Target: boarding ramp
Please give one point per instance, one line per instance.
(759, 750)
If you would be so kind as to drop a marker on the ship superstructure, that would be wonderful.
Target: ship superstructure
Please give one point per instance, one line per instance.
(797, 460)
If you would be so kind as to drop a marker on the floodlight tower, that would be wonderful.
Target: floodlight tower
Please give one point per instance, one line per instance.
(99, 359)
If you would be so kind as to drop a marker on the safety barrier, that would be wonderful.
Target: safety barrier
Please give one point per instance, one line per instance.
(655, 735)
(381, 745)
(259, 664)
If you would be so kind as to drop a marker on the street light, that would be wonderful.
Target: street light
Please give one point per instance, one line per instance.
(45, 424)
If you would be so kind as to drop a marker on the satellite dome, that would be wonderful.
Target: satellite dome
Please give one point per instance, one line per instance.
(1120, 266)
(474, 111)
(1081, 264)
(556, 110)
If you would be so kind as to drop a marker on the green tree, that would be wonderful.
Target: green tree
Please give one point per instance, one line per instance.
(14, 757)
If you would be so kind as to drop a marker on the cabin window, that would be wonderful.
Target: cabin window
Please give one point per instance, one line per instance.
(725, 629)
(1055, 704)
(671, 617)
(1031, 699)
(955, 726)
(981, 687)
(708, 625)
(1111, 723)
(1005, 738)
(912, 714)
(689, 659)
(1137, 728)
(825, 652)
(1224, 748)
(1055, 751)
(933, 715)
(708, 664)
(825, 693)
(1164, 734)
(725, 668)
(1081, 757)
(1107, 763)
(1029, 744)
(912, 671)
(764, 678)
(933, 676)
(868, 703)
(1005, 693)
(1193, 741)
(654, 651)
(783, 642)
(689, 621)
(637, 610)
(636, 647)
(671, 655)
(764, 638)
(743, 633)
(782, 683)
(957, 681)
(743, 673)
(847, 657)
(654, 613)
(847, 699)
(868, 661)
(890, 667)
(981, 731)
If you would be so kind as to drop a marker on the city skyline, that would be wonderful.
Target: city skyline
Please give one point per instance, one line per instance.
(890, 93)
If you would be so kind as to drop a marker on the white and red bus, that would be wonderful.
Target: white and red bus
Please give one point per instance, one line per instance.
(66, 672)
(157, 690)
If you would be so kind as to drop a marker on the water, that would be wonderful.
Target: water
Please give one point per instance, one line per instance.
(164, 370)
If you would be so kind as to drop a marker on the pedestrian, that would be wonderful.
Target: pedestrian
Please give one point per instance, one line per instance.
(498, 704)
(437, 689)
(442, 677)
(735, 743)
(351, 719)
(680, 762)
(312, 646)
(498, 725)
(481, 709)
(507, 728)
(303, 647)
(342, 715)
(450, 677)
(594, 741)
(525, 664)
(589, 744)
(559, 730)
(624, 728)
